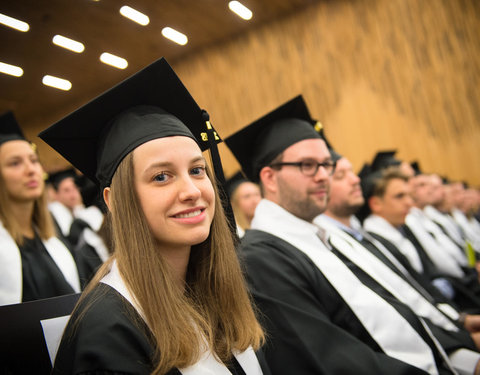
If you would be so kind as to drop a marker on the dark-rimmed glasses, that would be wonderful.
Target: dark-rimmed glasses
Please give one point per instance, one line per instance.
(309, 167)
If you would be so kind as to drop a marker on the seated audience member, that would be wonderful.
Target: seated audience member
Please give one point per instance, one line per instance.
(81, 226)
(34, 264)
(377, 267)
(439, 211)
(172, 298)
(446, 255)
(68, 210)
(244, 197)
(319, 317)
(387, 196)
(464, 207)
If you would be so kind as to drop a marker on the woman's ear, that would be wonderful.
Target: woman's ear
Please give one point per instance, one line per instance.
(106, 196)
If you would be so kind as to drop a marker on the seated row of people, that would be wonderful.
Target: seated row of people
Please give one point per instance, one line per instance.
(331, 295)
(316, 273)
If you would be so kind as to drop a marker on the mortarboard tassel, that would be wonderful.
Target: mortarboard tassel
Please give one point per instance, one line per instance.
(211, 138)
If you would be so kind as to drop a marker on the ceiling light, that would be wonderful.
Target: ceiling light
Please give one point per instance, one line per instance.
(11, 69)
(174, 36)
(117, 62)
(14, 23)
(240, 10)
(56, 82)
(134, 15)
(68, 43)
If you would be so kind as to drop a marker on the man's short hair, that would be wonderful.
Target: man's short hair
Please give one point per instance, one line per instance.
(388, 174)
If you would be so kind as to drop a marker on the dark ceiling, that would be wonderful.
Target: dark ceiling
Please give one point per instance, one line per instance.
(101, 28)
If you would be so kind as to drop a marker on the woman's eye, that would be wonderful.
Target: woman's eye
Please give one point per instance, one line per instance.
(198, 171)
(161, 177)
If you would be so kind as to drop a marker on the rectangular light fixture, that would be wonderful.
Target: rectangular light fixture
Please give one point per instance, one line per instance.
(134, 15)
(68, 43)
(174, 36)
(14, 23)
(240, 10)
(115, 61)
(12, 70)
(58, 83)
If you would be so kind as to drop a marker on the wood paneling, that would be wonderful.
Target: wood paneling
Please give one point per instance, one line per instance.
(380, 74)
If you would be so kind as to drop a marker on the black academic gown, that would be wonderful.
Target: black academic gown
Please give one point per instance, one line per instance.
(110, 338)
(310, 329)
(449, 340)
(41, 277)
(467, 290)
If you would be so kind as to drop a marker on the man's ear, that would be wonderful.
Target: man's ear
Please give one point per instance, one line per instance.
(269, 180)
(106, 196)
(375, 204)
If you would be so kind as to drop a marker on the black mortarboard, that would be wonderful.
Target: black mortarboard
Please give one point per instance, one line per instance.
(256, 145)
(416, 167)
(233, 182)
(9, 128)
(368, 181)
(319, 127)
(152, 103)
(384, 159)
(56, 177)
(366, 170)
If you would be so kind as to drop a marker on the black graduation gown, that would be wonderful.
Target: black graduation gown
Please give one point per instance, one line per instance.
(41, 277)
(421, 279)
(449, 340)
(85, 256)
(467, 292)
(88, 262)
(110, 338)
(310, 329)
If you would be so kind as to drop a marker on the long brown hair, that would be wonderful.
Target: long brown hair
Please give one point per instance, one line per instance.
(41, 218)
(214, 307)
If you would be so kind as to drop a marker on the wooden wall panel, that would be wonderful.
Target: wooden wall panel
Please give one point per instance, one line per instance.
(379, 74)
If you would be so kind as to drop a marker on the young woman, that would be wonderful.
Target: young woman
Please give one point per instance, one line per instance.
(172, 298)
(34, 264)
(244, 197)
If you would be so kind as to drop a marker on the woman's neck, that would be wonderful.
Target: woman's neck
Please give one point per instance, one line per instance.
(22, 213)
(178, 259)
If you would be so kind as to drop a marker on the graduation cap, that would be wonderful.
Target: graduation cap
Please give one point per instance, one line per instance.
(365, 171)
(152, 103)
(56, 178)
(256, 145)
(368, 181)
(335, 155)
(384, 159)
(9, 128)
(234, 182)
(416, 167)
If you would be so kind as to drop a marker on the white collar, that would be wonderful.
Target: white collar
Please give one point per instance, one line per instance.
(380, 226)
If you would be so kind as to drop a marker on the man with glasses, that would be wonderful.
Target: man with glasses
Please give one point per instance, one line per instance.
(319, 317)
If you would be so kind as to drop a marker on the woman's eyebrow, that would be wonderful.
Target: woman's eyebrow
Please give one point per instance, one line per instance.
(168, 164)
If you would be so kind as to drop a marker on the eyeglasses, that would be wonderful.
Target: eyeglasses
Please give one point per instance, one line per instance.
(309, 167)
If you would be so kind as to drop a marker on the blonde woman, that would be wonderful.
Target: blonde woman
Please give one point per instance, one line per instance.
(34, 264)
(172, 298)
(244, 197)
